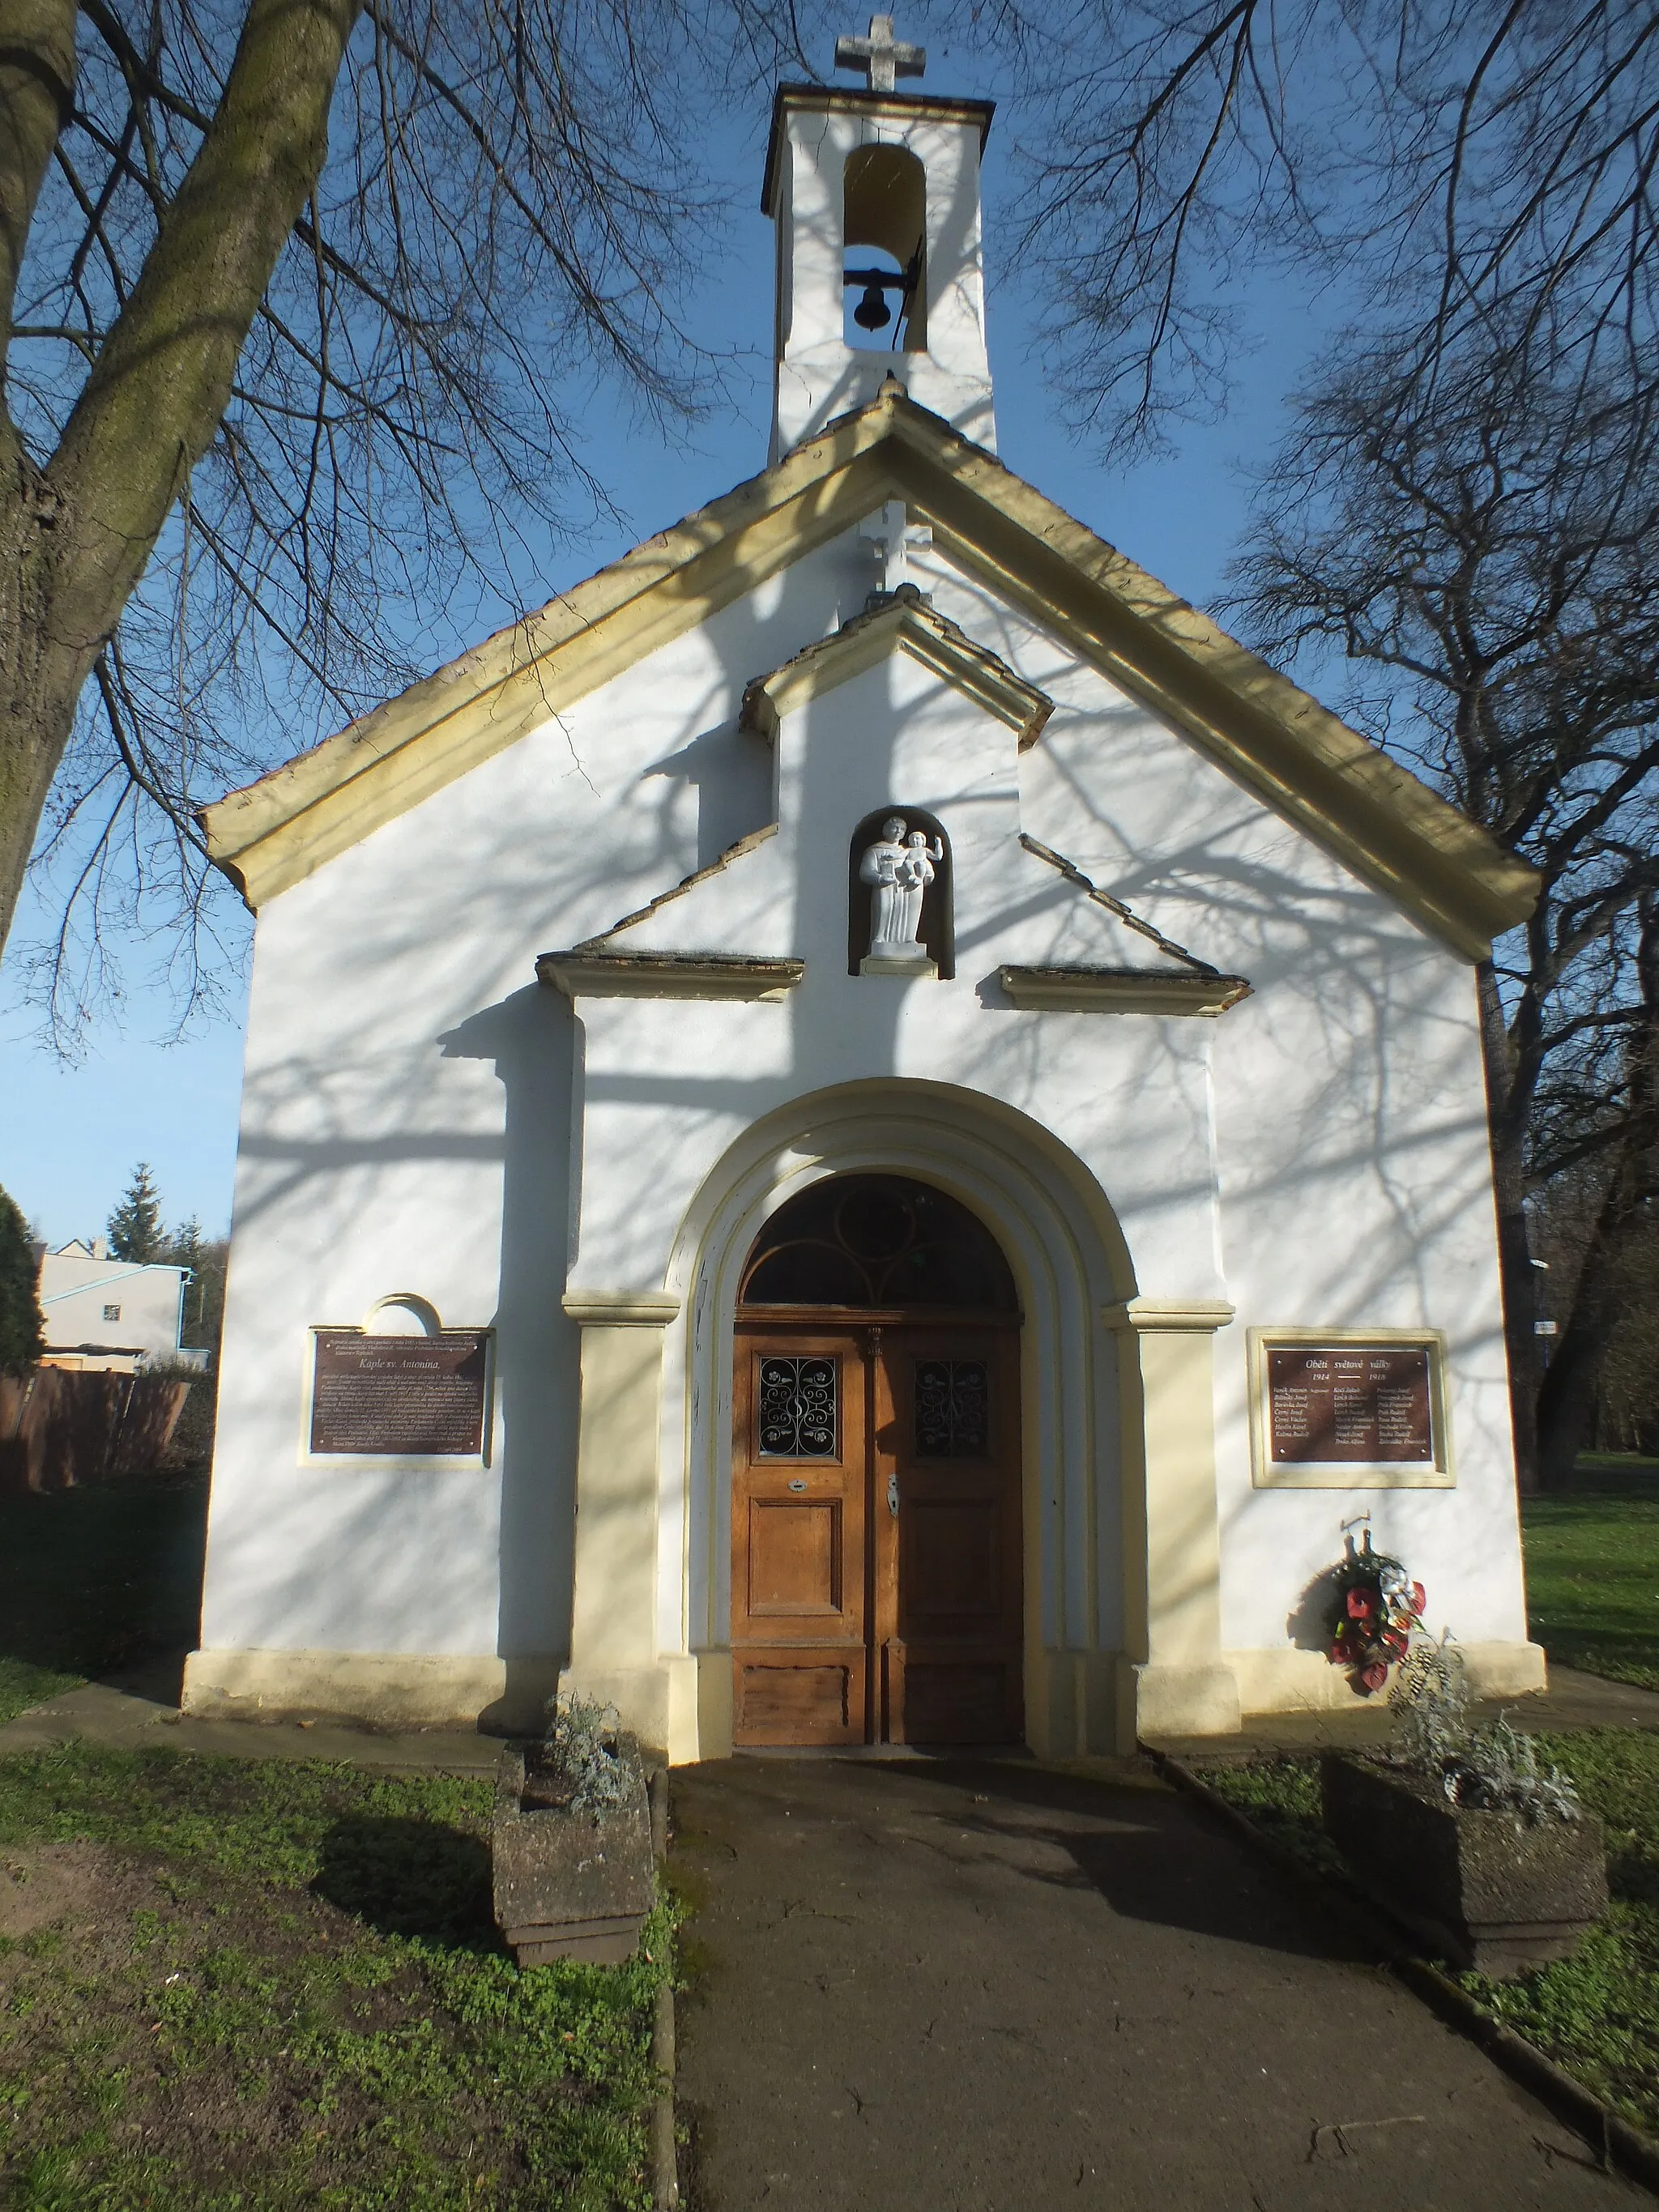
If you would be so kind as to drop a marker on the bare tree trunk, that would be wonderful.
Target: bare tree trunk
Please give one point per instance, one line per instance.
(37, 694)
(1508, 1139)
(1566, 1398)
(37, 90)
(1567, 1401)
(76, 536)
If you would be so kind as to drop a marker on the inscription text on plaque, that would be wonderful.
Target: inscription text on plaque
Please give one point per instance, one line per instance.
(1344, 1410)
(402, 1397)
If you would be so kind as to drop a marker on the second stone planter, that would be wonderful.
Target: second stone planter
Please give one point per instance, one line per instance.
(1482, 1888)
(572, 1885)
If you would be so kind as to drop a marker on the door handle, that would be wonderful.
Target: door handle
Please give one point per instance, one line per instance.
(892, 1495)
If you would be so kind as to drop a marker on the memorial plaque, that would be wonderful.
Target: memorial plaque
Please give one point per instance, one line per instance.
(1339, 1404)
(399, 1396)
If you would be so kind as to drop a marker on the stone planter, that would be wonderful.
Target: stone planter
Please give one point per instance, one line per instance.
(572, 1885)
(1482, 1888)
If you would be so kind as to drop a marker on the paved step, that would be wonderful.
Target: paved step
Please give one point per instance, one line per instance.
(124, 1718)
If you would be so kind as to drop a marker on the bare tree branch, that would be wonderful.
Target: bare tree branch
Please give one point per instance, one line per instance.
(268, 403)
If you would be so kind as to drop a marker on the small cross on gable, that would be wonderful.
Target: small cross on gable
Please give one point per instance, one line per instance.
(883, 59)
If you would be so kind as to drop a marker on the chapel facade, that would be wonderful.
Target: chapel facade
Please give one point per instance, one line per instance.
(864, 1130)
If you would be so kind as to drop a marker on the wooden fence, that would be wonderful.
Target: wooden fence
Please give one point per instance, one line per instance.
(61, 1429)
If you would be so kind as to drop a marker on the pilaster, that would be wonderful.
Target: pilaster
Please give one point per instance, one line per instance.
(613, 1642)
(1174, 1681)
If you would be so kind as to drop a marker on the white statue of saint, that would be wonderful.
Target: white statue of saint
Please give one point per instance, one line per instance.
(898, 867)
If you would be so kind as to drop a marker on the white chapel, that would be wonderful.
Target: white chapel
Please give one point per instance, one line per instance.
(865, 1130)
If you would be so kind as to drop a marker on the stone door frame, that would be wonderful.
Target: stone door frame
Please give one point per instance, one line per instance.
(1121, 1542)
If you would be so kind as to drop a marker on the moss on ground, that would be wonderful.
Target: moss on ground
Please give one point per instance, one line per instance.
(230, 1984)
(1593, 1572)
(1597, 2014)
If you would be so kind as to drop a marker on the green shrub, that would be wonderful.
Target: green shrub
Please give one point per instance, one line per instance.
(21, 1337)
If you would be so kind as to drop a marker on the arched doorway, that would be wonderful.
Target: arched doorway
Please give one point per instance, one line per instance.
(875, 1510)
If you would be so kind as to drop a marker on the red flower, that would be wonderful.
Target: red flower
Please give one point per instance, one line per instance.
(1362, 1603)
(1374, 1676)
(1420, 1597)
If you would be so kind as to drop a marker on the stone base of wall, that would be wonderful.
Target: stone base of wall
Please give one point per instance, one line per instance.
(1306, 1681)
(657, 1704)
(681, 1706)
(1164, 1700)
(1072, 1702)
(376, 1689)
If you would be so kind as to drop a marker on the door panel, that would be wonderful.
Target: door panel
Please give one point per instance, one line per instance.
(799, 1484)
(948, 1565)
(948, 1573)
(790, 1696)
(876, 1575)
(795, 1558)
(957, 1701)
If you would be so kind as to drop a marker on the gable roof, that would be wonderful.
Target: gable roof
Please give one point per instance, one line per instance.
(1362, 805)
(900, 622)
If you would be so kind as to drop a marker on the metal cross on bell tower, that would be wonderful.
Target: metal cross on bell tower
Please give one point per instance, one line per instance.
(883, 59)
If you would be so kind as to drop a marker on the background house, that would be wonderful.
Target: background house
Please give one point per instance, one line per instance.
(117, 1315)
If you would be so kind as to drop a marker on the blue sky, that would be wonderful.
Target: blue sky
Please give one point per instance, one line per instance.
(69, 1135)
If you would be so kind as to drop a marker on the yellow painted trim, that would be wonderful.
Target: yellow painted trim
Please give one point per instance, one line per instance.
(1156, 1317)
(382, 1689)
(1306, 763)
(1171, 1531)
(622, 1308)
(274, 832)
(613, 1644)
(905, 625)
(1290, 1681)
(622, 975)
(1120, 991)
(1372, 814)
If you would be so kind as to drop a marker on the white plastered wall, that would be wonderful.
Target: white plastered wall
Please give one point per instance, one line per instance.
(1315, 1157)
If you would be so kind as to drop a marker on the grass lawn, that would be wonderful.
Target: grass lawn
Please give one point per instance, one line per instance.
(238, 1986)
(1596, 2014)
(1593, 1570)
(92, 1580)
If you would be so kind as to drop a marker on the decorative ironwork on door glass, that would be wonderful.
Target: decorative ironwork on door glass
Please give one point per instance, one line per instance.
(953, 1408)
(797, 1407)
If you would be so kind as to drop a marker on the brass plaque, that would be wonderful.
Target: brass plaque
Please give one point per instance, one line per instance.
(1331, 1404)
(399, 1396)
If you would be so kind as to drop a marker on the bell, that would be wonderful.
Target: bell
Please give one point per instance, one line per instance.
(871, 313)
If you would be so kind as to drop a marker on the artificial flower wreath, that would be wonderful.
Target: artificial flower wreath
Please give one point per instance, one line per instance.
(1378, 1605)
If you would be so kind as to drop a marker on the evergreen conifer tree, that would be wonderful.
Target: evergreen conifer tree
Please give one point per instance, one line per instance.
(184, 1246)
(21, 1338)
(135, 1227)
(204, 1291)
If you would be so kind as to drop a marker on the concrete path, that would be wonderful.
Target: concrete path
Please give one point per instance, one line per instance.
(138, 1714)
(1572, 1701)
(959, 1986)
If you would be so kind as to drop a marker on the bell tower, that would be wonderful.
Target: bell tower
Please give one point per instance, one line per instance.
(875, 194)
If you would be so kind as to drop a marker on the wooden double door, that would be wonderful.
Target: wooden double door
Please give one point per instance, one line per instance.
(876, 1553)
